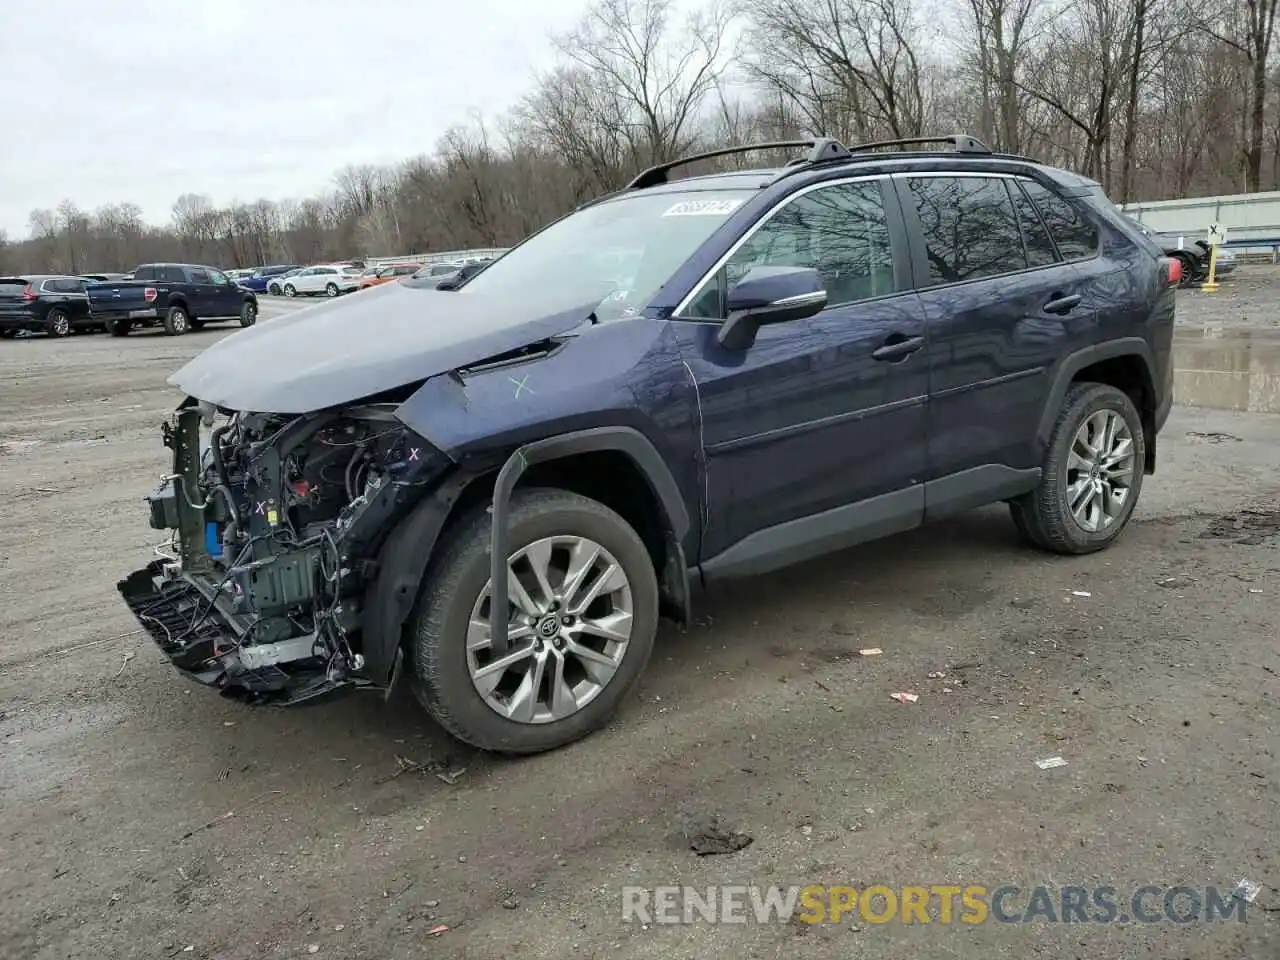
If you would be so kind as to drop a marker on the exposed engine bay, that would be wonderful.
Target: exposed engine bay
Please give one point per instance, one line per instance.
(276, 521)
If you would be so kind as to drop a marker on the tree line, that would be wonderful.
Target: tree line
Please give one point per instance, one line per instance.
(1152, 98)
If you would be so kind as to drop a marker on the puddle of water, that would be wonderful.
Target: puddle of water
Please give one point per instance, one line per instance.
(1227, 369)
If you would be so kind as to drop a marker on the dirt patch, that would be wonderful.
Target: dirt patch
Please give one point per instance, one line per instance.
(1249, 527)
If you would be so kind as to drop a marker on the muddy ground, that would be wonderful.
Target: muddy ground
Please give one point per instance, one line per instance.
(143, 817)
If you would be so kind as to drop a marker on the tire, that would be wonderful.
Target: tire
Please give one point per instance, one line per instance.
(457, 580)
(8, 334)
(248, 314)
(331, 290)
(274, 289)
(120, 328)
(176, 321)
(1190, 269)
(290, 290)
(58, 323)
(1044, 516)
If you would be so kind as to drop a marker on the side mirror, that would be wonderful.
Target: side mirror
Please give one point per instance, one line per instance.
(769, 295)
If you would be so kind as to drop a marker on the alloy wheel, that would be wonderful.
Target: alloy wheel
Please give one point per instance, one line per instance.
(569, 629)
(1100, 471)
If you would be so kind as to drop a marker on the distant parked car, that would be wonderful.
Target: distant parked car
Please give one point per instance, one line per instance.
(259, 281)
(446, 279)
(101, 277)
(1191, 251)
(329, 279)
(432, 274)
(55, 305)
(275, 285)
(380, 275)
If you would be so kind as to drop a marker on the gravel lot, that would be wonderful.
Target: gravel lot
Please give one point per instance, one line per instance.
(142, 817)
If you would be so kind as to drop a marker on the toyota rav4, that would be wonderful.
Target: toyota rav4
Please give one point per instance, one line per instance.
(493, 491)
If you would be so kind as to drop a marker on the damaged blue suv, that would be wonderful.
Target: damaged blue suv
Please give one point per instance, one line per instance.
(493, 492)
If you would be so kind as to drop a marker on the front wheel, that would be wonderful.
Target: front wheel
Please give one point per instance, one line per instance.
(331, 290)
(584, 611)
(290, 290)
(1091, 476)
(248, 314)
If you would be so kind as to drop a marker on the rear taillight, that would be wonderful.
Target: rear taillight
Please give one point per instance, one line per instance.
(149, 294)
(29, 293)
(1172, 270)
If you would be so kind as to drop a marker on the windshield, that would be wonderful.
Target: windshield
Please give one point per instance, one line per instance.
(616, 254)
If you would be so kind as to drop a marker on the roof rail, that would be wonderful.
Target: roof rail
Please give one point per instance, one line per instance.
(820, 149)
(962, 142)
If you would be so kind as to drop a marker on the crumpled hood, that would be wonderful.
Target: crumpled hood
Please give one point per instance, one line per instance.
(375, 340)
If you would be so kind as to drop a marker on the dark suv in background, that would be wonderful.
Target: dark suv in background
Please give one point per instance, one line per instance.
(55, 305)
(492, 492)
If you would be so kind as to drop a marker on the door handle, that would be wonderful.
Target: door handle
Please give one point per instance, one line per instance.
(898, 347)
(1059, 304)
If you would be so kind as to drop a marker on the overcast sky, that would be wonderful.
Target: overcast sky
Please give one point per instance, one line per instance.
(142, 100)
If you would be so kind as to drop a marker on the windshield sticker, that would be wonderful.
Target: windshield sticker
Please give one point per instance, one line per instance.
(703, 208)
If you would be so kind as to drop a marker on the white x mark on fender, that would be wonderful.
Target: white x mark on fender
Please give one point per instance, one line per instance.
(262, 508)
(413, 453)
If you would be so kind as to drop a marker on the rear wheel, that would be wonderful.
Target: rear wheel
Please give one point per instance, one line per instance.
(1190, 269)
(1091, 476)
(176, 322)
(584, 611)
(58, 323)
(331, 290)
(8, 334)
(248, 314)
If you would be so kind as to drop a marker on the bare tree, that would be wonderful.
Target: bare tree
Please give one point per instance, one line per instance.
(1155, 98)
(850, 67)
(1248, 27)
(1002, 34)
(634, 79)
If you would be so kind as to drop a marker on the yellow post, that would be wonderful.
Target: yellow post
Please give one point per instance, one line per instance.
(1211, 284)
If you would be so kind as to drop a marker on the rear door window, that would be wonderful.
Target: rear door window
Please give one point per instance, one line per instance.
(1075, 237)
(969, 227)
(200, 276)
(145, 274)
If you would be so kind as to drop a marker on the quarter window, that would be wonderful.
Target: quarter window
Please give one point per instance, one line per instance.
(1076, 237)
(841, 231)
(969, 226)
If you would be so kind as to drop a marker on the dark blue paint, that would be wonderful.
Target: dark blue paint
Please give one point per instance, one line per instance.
(804, 420)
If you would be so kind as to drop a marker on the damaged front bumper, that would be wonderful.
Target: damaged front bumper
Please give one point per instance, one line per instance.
(205, 643)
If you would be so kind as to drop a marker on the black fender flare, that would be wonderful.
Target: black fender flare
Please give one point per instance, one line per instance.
(402, 561)
(1073, 363)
